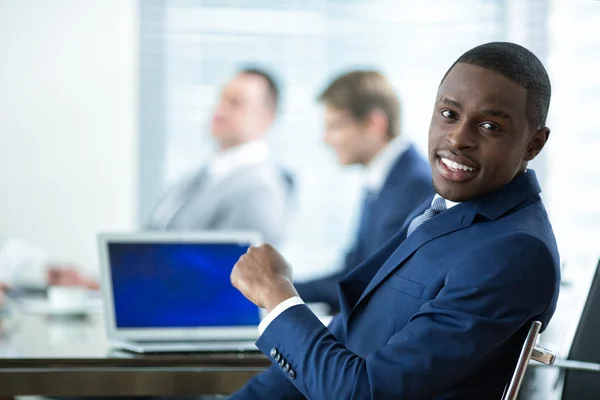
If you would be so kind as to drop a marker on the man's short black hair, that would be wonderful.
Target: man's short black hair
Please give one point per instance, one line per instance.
(520, 65)
(272, 86)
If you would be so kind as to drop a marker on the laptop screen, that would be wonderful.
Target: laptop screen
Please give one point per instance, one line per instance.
(177, 285)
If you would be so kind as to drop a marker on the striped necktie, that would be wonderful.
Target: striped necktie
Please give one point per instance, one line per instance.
(437, 206)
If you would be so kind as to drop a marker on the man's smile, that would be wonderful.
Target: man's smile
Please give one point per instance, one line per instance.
(455, 168)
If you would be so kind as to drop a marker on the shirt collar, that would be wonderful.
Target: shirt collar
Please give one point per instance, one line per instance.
(449, 204)
(237, 157)
(380, 166)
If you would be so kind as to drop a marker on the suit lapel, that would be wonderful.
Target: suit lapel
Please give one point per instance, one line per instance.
(395, 181)
(490, 206)
(353, 284)
(194, 189)
(174, 200)
(359, 276)
(206, 198)
(458, 217)
(397, 176)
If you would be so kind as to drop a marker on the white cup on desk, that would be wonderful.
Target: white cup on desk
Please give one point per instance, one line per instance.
(67, 298)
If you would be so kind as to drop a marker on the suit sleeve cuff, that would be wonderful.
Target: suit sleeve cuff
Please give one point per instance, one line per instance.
(281, 307)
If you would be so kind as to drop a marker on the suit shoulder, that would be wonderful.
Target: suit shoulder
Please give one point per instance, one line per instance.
(530, 219)
(417, 161)
(264, 178)
(408, 186)
(517, 257)
(517, 253)
(187, 180)
(261, 174)
(411, 171)
(528, 223)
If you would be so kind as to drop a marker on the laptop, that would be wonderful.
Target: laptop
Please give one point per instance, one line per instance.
(171, 292)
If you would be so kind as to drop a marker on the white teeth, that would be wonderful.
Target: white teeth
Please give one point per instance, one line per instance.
(456, 166)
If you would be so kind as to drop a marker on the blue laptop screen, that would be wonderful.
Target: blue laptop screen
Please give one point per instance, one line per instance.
(177, 285)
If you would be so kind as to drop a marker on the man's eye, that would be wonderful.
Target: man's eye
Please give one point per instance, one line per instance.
(489, 126)
(449, 114)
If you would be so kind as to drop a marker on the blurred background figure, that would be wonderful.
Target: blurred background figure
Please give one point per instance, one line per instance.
(240, 188)
(362, 126)
(23, 265)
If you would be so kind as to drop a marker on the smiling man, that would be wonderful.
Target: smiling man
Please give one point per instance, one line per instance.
(440, 311)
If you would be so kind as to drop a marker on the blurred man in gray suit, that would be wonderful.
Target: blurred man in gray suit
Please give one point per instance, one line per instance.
(240, 188)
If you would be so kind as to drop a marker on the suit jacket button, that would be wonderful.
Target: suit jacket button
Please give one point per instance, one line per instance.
(292, 374)
(286, 367)
(282, 362)
(273, 352)
(277, 357)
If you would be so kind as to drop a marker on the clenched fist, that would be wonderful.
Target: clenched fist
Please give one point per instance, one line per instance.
(264, 277)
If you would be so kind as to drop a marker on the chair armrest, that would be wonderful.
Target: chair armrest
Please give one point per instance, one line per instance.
(543, 355)
(571, 365)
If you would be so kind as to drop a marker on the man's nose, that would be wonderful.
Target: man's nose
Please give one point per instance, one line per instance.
(463, 137)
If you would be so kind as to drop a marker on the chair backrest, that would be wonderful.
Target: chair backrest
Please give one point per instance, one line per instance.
(582, 385)
(512, 390)
(290, 181)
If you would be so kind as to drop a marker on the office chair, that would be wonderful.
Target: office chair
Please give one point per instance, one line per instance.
(529, 351)
(579, 377)
(290, 181)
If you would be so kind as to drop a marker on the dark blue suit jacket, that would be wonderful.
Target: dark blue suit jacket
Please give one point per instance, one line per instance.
(407, 185)
(438, 315)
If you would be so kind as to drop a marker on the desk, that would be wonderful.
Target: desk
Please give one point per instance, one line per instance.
(43, 356)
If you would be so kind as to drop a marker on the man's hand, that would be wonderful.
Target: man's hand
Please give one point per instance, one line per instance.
(264, 277)
(68, 276)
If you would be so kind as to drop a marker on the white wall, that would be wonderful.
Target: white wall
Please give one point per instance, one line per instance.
(575, 138)
(68, 130)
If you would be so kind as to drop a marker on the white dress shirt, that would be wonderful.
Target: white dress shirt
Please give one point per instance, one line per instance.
(281, 307)
(22, 263)
(449, 204)
(228, 161)
(379, 168)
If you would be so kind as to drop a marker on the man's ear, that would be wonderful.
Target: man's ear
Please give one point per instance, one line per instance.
(537, 143)
(376, 123)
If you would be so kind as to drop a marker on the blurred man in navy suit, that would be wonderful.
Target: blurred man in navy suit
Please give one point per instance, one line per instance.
(362, 125)
(441, 310)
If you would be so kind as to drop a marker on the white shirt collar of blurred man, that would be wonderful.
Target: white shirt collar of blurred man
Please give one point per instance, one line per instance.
(379, 168)
(228, 161)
